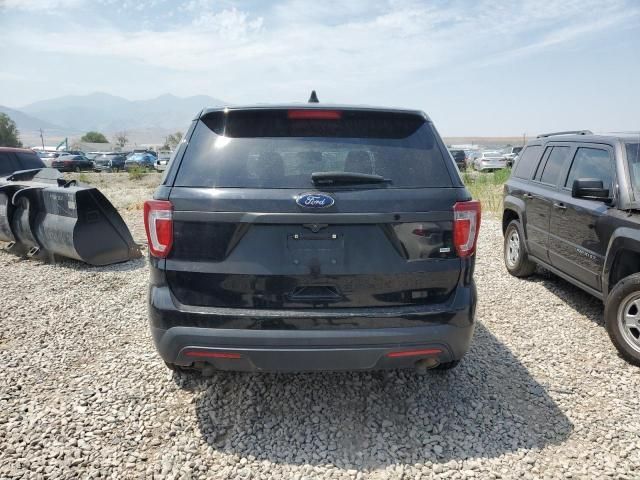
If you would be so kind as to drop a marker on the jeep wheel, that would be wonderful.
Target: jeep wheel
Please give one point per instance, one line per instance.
(622, 317)
(515, 255)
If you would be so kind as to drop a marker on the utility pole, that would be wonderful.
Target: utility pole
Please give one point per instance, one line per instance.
(42, 138)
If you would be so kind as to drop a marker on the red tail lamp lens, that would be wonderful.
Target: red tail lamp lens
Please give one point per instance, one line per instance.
(158, 223)
(466, 225)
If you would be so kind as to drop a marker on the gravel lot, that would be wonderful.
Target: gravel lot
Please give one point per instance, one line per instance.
(542, 393)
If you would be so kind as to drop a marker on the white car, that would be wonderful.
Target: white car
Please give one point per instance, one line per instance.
(163, 160)
(490, 160)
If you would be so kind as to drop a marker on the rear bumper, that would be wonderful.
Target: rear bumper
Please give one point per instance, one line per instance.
(442, 332)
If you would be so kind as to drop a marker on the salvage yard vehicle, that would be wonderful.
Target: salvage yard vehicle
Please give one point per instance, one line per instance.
(145, 161)
(14, 159)
(163, 160)
(489, 161)
(311, 237)
(72, 163)
(460, 158)
(572, 205)
(109, 162)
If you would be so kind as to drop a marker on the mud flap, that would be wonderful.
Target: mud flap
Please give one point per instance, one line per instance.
(46, 215)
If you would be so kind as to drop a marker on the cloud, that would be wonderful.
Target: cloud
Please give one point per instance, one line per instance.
(40, 6)
(345, 47)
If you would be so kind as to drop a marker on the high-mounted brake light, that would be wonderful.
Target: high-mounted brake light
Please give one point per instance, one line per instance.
(466, 225)
(158, 223)
(313, 114)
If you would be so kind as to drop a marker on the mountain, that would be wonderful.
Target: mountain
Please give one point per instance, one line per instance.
(109, 113)
(26, 122)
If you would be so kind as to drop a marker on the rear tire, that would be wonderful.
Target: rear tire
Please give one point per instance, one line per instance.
(515, 253)
(622, 318)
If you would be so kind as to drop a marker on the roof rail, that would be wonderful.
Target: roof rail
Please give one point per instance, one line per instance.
(567, 132)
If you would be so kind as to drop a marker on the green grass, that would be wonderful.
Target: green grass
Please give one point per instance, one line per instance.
(137, 173)
(487, 187)
(83, 178)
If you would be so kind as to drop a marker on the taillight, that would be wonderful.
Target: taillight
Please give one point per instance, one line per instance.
(466, 225)
(158, 223)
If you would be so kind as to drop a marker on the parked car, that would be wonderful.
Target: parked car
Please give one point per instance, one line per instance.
(93, 155)
(572, 205)
(308, 238)
(14, 159)
(145, 161)
(109, 162)
(460, 158)
(72, 163)
(510, 154)
(163, 160)
(489, 161)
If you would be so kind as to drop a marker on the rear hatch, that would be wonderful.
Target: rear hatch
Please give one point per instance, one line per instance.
(310, 208)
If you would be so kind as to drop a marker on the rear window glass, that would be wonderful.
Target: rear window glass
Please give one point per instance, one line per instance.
(528, 162)
(29, 160)
(268, 149)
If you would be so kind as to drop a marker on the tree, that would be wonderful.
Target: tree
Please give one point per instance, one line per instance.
(94, 137)
(172, 141)
(120, 139)
(8, 132)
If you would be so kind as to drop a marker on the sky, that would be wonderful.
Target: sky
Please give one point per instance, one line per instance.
(491, 68)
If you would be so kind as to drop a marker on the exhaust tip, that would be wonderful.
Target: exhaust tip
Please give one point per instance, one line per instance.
(425, 364)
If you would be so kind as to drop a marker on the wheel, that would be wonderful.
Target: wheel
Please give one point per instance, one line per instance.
(622, 317)
(76, 169)
(515, 254)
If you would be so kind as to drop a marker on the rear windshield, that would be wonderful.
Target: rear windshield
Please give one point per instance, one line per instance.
(281, 149)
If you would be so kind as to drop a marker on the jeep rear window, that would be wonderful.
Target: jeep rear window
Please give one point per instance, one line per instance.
(275, 149)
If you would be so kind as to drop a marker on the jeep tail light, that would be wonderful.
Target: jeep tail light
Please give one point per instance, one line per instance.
(466, 225)
(158, 223)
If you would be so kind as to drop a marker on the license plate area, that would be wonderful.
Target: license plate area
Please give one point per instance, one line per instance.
(316, 249)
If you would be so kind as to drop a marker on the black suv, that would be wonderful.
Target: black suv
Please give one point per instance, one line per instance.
(14, 159)
(572, 205)
(460, 157)
(296, 238)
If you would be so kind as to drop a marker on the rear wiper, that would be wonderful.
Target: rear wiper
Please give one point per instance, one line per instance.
(345, 178)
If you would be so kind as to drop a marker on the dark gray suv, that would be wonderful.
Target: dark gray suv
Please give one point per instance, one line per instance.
(311, 237)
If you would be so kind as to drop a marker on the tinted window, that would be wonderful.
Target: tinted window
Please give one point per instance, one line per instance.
(269, 150)
(528, 161)
(29, 160)
(8, 163)
(591, 163)
(554, 164)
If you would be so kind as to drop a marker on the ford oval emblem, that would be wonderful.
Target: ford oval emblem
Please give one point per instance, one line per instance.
(315, 200)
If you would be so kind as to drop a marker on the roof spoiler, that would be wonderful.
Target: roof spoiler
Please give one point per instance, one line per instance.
(566, 132)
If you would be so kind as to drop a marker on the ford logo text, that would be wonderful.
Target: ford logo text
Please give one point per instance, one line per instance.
(315, 200)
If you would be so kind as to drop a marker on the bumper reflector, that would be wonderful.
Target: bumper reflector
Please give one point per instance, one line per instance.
(206, 354)
(414, 353)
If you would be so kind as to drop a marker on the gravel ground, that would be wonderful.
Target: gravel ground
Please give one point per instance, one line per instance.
(541, 394)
